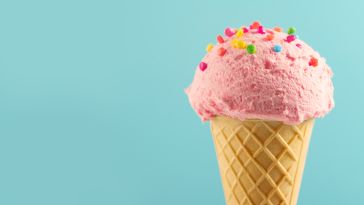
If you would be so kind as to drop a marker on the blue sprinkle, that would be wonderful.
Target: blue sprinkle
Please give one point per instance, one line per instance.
(277, 48)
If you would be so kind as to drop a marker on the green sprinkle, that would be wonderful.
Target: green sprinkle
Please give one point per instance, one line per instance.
(291, 30)
(251, 49)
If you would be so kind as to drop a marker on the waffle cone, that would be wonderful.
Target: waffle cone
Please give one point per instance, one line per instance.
(261, 162)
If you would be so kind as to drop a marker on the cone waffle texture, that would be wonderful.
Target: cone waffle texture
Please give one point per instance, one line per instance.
(261, 162)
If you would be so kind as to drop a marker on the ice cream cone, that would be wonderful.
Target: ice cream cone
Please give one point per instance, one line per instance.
(261, 162)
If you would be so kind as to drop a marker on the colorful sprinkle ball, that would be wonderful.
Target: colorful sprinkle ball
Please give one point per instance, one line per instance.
(277, 48)
(251, 49)
(221, 51)
(220, 39)
(209, 47)
(203, 66)
(290, 38)
(291, 30)
(299, 45)
(229, 32)
(313, 62)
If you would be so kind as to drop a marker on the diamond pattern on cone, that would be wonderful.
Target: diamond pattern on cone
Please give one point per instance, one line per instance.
(261, 162)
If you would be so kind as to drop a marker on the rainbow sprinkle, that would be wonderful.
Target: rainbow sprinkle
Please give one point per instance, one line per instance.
(291, 30)
(221, 51)
(220, 39)
(261, 30)
(269, 37)
(238, 44)
(239, 33)
(209, 47)
(229, 32)
(236, 38)
(278, 29)
(255, 25)
(277, 48)
(290, 38)
(313, 62)
(251, 49)
(203, 66)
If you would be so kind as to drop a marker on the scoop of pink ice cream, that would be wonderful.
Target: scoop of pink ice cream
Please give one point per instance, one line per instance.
(284, 80)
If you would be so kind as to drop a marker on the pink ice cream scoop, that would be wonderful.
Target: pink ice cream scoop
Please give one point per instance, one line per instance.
(258, 73)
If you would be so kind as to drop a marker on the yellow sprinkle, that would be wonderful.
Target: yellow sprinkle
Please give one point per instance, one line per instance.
(238, 44)
(209, 47)
(239, 33)
(242, 44)
(234, 43)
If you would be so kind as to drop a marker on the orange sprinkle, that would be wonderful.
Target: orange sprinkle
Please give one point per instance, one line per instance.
(221, 51)
(313, 62)
(269, 37)
(255, 25)
(278, 29)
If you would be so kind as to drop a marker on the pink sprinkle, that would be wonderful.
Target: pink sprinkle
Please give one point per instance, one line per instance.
(261, 30)
(203, 66)
(245, 30)
(290, 38)
(299, 45)
(230, 32)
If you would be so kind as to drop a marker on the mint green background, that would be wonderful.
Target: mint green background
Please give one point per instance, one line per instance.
(92, 109)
